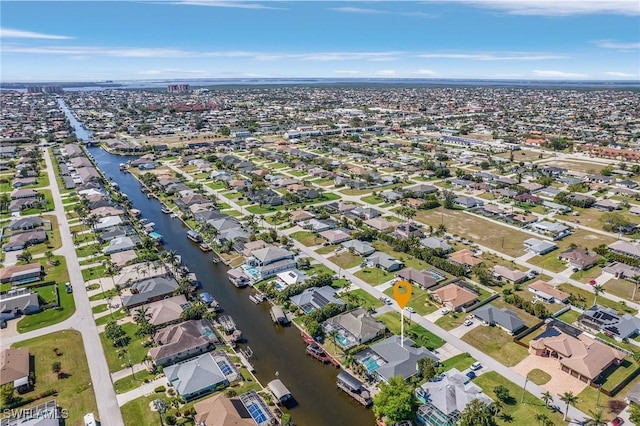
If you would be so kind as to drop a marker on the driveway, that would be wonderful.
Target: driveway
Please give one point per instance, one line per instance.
(464, 329)
(560, 382)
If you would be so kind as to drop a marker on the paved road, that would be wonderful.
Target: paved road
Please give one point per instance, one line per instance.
(453, 340)
(82, 320)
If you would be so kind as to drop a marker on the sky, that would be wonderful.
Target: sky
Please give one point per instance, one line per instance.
(183, 39)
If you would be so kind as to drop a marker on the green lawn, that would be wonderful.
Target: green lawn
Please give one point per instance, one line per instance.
(48, 293)
(515, 412)
(346, 259)
(461, 362)
(75, 392)
(588, 298)
(451, 320)
(374, 276)
(307, 238)
(362, 297)
(135, 347)
(569, 317)
(538, 376)
(119, 314)
(420, 335)
(100, 308)
(103, 295)
(496, 343)
(89, 250)
(133, 381)
(327, 249)
(372, 199)
(588, 399)
(419, 300)
(49, 316)
(57, 273)
(93, 273)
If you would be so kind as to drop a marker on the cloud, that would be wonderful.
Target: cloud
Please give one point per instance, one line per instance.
(386, 73)
(609, 44)
(173, 71)
(620, 74)
(557, 74)
(493, 57)
(359, 10)
(559, 7)
(347, 72)
(425, 72)
(12, 33)
(133, 52)
(227, 4)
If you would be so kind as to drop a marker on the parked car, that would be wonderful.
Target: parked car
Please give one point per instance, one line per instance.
(445, 311)
(410, 310)
(476, 366)
(617, 421)
(471, 375)
(468, 322)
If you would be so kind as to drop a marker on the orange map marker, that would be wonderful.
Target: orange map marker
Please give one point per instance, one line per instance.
(402, 293)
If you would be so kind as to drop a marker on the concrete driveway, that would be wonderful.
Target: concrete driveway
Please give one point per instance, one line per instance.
(560, 382)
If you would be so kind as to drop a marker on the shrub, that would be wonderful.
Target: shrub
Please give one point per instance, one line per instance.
(160, 389)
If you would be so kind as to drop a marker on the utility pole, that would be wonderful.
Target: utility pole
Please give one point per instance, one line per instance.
(526, 379)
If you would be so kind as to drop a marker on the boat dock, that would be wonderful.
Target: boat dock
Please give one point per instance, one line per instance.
(279, 390)
(278, 316)
(227, 323)
(354, 388)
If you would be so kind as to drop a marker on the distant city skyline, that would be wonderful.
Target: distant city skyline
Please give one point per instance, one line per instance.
(184, 39)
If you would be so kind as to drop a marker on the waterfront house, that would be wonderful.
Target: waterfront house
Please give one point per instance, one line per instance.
(444, 400)
(181, 341)
(608, 321)
(501, 317)
(454, 297)
(108, 222)
(201, 375)
(315, 298)
(20, 274)
(166, 311)
(117, 231)
(119, 244)
(248, 409)
(268, 261)
(352, 328)
(391, 357)
(579, 355)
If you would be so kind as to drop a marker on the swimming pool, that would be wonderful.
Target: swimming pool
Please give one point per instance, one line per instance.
(252, 270)
(370, 364)
(435, 275)
(342, 339)
(225, 368)
(256, 413)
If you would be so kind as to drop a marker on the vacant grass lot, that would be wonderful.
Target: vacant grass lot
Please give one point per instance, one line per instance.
(484, 232)
(622, 288)
(136, 350)
(346, 260)
(363, 298)
(75, 392)
(131, 382)
(307, 238)
(451, 320)
(461, 362)
(327, 249)
(374, 276)
(588, 298)
(417, 333)
(515, 412)
(419, 301)
(496, 343)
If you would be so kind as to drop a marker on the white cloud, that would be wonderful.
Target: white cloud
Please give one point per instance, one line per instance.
(608, 44)
(227, 4)
(620, 74)
(493, 57)
(359, 10)
(12, 33)
(557, 74)
(133, 52)
(386, 73)
(347, 72)
(559, 7)
(425, 72)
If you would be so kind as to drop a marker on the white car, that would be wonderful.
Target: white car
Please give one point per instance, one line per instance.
(445, 311)
(468, 322)
(476, 366)
(410, 310)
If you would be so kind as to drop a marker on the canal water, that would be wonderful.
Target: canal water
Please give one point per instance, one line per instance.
(277, 350)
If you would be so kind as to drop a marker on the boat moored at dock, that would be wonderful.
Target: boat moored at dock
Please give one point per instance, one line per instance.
(280, 391)
(354, 388)
(194, 236)
(278, 316)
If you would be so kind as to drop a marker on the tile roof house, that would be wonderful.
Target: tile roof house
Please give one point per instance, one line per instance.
(578, 257)
(423, 279)
(361, 248)
(357, 327)
(579, 356)
(315, 298)
(22, 273)
(547, 293)
(454, 297)
(464, 258)
(393, 358)
(335, 236)
(220, 410)
(609, 322)
(444, 400)
(181, 341)
(512, 276)
(165, 311)
(380, 223)
(502, 317)
(201, 375)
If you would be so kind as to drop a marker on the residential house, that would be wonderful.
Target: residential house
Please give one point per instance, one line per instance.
(606, 205)
(24, 240)
(117, 231)
(271, 260)
(539, 247)
(26, 223)
(580, 356)
(467, 202)
(287, 278)
(625, 248)
(436, 244)
(300, 215)
(393, 356)
(119, 244)
(511, 276)
(355, 327)
(406, 230)
(166, 311)
(201, 375)
(22, 274)
(528, 198)
(424, 279)
(384, 261)
(18, 302)
(181, 341)
(609, 322)
(361, 248)
(454, 297)
(580, 258)
(464, 258)
(220, 410)
(15, 366)
(381, 224)
(621, 270)
(555, 230)
(315, 298)
(317, 225)
(108, 222)
(149, 290)
(366, 213)
(335, 236)
(24, 193)
(421, 190)
(502, 317)
(547, 292)
(444, 400)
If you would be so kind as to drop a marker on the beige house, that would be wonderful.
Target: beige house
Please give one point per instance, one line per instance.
(454, 297)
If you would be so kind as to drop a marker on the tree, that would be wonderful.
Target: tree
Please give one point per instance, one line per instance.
(7, 394)
(636, 282)
(427, 368)
(483, 273)
(116, 334)
(634, 413)
(597, 289)
(395, 402)
(477, 413)
(449, 198)
(613, 221)
(570, 399)
(502, 393)
(25, 256)
(543, 419)
(194, 312)
(56, 367)
(160, 406)
(546, 397)
(596, 418)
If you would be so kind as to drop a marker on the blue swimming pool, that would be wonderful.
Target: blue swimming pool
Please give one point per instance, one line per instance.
(435, 275)
(225, 368)
(370, 364)
(253, 271)
(256, 413)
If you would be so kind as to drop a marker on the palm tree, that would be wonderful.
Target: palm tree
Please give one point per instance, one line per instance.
(596, 419)
(546, 397)
(5, 200)
(570, 399)
(543, 418)
(597, 289)
(636, 281)
(141, 315)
